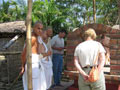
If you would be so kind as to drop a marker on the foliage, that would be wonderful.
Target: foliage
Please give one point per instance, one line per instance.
(49, 14)
(10, 11)
(67, 14)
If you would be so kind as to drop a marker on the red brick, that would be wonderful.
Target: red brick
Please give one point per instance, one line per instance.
(113, 41)
(73, 42)
(115, 57)
(78, 31)
(108, 77)
(72, 36)
(118, 51)
(115, 46)
(113, 62)
(108, 29)
(70, 50)
(116, 78)
(94, 26)
(85, 27)
(115, 67)
(118, 31)
(100, 27)
(115, 36)
(113, 31)
(118, 41)
(71, 64)
(113, 52)
(89, 25)
(71, 68)
(115, 72)
(67, 59)
(72, 88)
(68, 47)
(72, 54)
(112, 86)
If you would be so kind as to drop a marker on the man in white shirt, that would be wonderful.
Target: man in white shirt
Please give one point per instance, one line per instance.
(84, 56)
(57, 44)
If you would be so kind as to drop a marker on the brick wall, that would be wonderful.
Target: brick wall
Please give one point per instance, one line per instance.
(74, 38)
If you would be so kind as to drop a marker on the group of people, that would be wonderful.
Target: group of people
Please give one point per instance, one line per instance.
(47, 58)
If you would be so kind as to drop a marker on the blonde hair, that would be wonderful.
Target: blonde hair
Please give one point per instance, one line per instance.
(90, 33)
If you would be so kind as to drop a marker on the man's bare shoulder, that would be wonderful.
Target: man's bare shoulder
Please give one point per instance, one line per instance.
(34, 39)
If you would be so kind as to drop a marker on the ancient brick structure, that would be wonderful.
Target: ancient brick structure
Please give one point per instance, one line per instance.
(74, 38)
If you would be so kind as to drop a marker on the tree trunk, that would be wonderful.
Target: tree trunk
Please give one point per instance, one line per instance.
(29, 50)
(94, 11)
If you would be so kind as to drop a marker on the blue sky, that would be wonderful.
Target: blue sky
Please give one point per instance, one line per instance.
(14, 0)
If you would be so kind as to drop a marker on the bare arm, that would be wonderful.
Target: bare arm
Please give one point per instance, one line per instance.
(101, 61)
(79, 68)
(23, 55)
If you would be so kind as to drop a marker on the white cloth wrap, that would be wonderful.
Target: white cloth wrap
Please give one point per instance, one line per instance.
(38, 75)
(47, 65)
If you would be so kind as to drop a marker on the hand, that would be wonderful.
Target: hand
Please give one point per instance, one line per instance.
(49, 53)
(47, 59)
(60, 48)
(22, 70)
(85, 77)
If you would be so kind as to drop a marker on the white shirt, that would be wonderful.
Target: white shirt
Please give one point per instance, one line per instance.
(87, 52)
(57, 42)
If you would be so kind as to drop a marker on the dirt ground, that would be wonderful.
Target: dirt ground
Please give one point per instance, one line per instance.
(65, 85)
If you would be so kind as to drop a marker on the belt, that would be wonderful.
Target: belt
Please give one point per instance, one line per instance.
(89, 66)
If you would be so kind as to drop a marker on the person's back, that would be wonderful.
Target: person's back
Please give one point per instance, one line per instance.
(88, 52)
(84, 56)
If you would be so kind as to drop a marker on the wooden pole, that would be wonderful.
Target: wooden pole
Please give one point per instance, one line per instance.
(94, 11)
(29, 50)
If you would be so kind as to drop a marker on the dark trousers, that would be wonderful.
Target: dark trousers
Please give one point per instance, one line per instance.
(57, 67)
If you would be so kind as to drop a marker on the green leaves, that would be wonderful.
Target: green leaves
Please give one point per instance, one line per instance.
(67, 14)
(10, 11)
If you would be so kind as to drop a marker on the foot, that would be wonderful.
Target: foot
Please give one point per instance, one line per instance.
(53, 86)
(59, 85)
